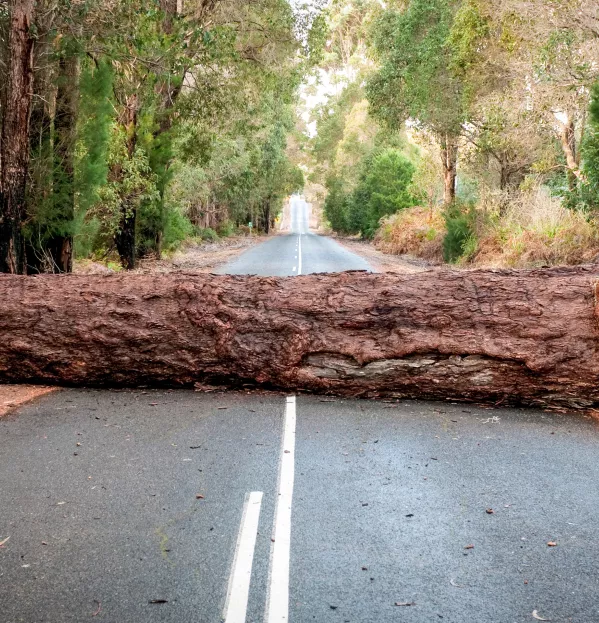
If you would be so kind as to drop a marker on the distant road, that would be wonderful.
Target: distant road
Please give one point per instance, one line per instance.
(299, 252)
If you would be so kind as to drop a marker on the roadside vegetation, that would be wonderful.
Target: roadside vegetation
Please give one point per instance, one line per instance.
(463, 131)
(130, 126)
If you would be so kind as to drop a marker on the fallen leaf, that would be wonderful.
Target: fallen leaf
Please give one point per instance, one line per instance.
(552, 544)
(199, 497)
(3, 542)
(536, 616)
(490, 511)
(97, 612)
(410, 515)
(158, 601)
(405, 603)
(469, 547)
(453, 583)
(153, 404)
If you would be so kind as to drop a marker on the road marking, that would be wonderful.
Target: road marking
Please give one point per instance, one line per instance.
(241, 573)
(277, 599)
(299, 271)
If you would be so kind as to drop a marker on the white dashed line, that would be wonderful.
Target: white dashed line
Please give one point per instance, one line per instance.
(277, 600)
(239, 582)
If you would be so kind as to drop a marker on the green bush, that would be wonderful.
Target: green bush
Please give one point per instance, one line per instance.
(460, 237)
(207, 234)
(383, 190)
(226, 229)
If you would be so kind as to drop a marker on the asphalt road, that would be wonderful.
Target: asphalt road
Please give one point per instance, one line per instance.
(155, 506)
(298, 252)
(99, 498)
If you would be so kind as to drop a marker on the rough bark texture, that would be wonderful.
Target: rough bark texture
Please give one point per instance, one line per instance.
(14, 140)
(449, 160)
(528, 337)
(60, 245)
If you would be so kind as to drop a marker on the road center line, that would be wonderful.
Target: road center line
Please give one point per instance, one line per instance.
(299, 254)
(241, 573)
(277, 599)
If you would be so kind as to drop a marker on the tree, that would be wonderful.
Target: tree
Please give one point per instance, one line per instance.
(415, 81)
(383, 190)
(14, 139)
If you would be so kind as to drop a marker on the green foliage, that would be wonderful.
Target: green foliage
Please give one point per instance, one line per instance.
(415, 78)
(336, 205)
(207, 234)
(382, 190)
(96, 114)
(460, 238)
(588, 197)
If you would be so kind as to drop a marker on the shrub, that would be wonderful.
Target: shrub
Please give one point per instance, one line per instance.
(207, 234)
(460, 237)
(414, 231)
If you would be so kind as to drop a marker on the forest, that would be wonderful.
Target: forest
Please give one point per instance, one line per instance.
(129, 126)
(464, 131)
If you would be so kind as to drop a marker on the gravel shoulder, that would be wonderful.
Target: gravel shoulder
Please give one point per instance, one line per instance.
(383, 262)
(14, 396)
(206, 257)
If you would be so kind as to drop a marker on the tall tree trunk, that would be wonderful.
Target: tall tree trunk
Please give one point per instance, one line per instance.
(168, 93)
(14, 141)
(39, 190)
(60, 245)
(449, 159)
(568, 141)
(125, 237)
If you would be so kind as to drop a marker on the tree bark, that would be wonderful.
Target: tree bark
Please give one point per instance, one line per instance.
(509, 337)
(449, 159)
(14, 140)
(568, 141)
(125, 236)
(60, 245)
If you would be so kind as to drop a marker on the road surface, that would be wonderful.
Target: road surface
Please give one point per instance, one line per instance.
(298, 252)
(158, 506)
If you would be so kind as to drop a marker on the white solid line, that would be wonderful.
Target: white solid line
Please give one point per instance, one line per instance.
(299, 270)
(277, 599)
(241, 573)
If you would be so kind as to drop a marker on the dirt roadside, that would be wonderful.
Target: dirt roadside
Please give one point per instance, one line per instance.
(14, 396)
(383, 262)
(192, 258)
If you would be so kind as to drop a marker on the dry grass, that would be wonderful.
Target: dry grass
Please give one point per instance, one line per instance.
(535, 230)
(416, 231)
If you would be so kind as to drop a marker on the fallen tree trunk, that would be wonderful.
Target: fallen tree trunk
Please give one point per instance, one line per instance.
(528, 337)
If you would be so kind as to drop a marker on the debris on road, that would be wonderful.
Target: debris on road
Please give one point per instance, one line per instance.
(536, 616)
(3, 542)
(97, 612)
(405, 603)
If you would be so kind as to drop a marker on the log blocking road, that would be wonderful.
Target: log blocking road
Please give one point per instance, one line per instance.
(157, 506)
